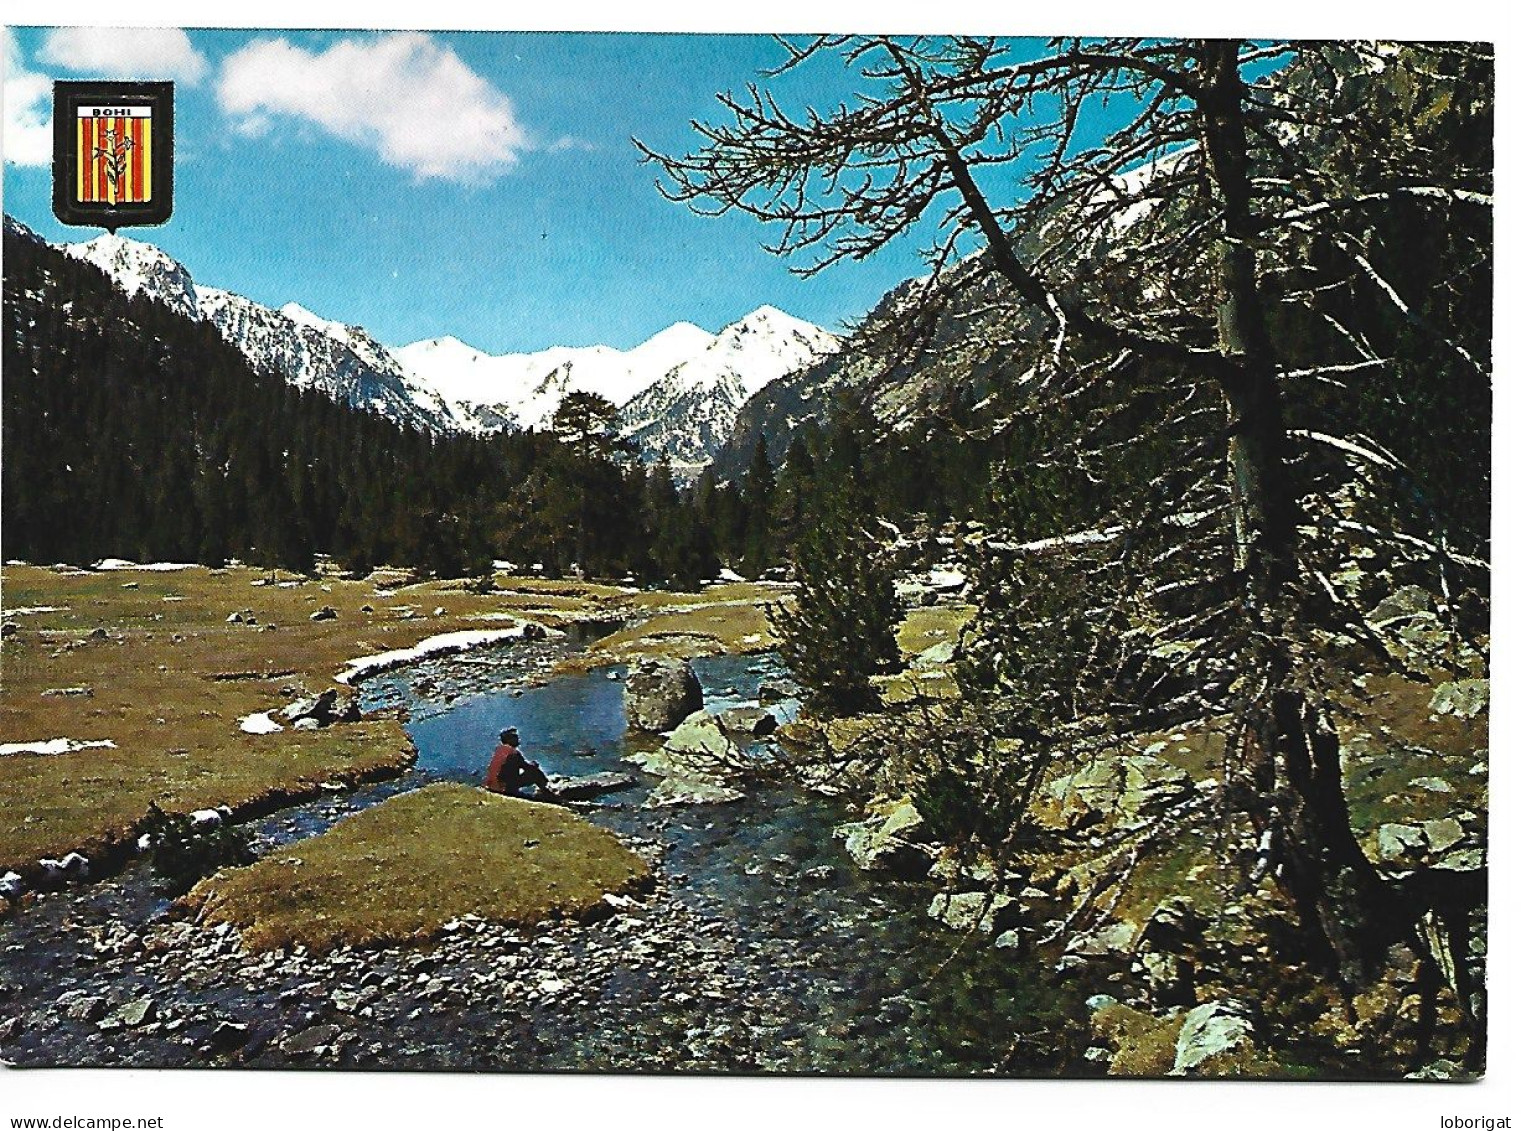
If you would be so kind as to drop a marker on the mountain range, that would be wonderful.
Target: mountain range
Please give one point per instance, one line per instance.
(678, 393)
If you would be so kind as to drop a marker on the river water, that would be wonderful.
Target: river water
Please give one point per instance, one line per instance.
(886, 989)
(762, 948)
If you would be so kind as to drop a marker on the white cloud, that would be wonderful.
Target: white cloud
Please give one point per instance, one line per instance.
(411, 100)
(28, 137)
(124, 53)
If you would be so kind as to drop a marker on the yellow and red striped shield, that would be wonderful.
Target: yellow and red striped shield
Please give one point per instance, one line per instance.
(115, 154)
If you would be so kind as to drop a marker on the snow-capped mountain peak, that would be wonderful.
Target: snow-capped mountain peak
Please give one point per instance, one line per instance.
(304, 317)
(685, 416)
(678, 391)
(140, 268)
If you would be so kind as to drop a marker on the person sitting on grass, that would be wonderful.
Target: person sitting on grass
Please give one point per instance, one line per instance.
(509, 771)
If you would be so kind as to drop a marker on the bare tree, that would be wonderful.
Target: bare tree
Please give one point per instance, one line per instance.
(1151, 204)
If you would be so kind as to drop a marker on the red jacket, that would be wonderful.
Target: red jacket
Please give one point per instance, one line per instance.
(507, 762)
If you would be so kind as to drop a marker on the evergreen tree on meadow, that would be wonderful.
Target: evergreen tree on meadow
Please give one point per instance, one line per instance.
(842, 628)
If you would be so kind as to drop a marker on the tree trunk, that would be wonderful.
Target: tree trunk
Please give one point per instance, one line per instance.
(1339, 896)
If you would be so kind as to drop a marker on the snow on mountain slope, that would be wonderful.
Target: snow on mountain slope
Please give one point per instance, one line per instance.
(342, 362)
(685, 416)
(524, 389)
(140, 268)
(678, 391)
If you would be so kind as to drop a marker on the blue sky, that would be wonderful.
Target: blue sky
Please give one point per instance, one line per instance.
(492, 192)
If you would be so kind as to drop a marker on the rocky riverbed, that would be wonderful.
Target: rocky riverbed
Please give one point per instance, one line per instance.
(760, 948)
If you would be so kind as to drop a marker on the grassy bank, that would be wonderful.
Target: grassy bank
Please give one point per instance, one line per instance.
(400, 871)
(148, 661)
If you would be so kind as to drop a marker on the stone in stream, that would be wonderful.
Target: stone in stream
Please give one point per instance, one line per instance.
(690, 790)
(777, 690)
(989, 912)
(311, 1040)
(748, 722)
(890, 843)
(658, 694)
(703, 737)
(582, 788)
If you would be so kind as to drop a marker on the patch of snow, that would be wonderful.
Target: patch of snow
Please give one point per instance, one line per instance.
(946, 579)
(30, 610)
(443, 644)
(258, 723)
(157, 567)
(727, 574)
(53, 746)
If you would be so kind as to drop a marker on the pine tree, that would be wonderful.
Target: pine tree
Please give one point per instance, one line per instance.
(842, 629)
(759, 500)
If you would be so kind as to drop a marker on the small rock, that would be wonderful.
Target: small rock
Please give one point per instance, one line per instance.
(1442, 833)
(973, 910)
(1113, 940)
(137, 1012)
(1463, 860)
(311, 1040)
(1212, 1031)
(1432, 785)
(228, 1035)
(89, 1009)
(1438, 1070)
(1398, 843)
(327, 612)
(1463, 698)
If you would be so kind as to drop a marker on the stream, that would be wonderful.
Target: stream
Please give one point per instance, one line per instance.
(762, 947)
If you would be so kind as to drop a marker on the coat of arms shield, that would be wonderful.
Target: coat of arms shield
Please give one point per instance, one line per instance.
(113, 146)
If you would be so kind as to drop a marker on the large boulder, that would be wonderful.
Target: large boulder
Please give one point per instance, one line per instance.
(697, 763)
(1126, 790)
(1216, 1040)
(890, 843)
(1462, 698)
(701, 737)
(658, 694)
(989, 912)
